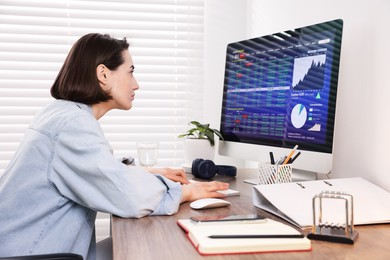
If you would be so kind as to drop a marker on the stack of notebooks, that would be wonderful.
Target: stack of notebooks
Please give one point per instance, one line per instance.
(267, 236)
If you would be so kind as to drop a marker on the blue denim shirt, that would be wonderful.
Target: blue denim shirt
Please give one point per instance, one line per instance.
(61, 175)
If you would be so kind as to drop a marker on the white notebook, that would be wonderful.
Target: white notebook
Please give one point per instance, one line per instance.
(294, 201)
(199, 236)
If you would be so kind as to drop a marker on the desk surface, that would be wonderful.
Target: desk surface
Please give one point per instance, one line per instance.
(159, 237)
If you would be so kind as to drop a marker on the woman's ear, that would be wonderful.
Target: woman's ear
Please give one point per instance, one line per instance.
(101, 73)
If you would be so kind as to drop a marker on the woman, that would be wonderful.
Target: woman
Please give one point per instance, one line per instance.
(64, 170)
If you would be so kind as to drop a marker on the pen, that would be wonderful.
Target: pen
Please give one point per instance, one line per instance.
(258, 236)
(291, 154)
(295, 157)
(280, 160)
(271, 155)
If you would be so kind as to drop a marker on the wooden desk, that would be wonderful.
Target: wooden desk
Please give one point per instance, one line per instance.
(159, 237)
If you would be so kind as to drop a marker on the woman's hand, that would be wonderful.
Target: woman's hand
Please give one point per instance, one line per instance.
(176, 175)
(200, 190)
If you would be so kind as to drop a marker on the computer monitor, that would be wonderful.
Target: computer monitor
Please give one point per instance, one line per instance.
(280, 91)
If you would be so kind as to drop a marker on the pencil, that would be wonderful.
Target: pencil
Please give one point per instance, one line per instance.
(259, 236)
(291, 154)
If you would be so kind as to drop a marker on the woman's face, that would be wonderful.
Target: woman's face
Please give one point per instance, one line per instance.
(123, 84)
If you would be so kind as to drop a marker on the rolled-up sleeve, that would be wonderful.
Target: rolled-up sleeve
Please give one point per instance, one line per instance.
(84, 170)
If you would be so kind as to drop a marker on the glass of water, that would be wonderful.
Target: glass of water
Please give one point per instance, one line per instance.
(147, 153)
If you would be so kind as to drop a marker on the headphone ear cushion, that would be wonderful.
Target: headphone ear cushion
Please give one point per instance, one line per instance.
(195, 167)
(226, 170)
(204, 169)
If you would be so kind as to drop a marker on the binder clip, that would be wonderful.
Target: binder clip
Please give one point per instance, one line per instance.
(333, 232)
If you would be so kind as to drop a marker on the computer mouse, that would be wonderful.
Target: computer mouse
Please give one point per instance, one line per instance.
(209, 203)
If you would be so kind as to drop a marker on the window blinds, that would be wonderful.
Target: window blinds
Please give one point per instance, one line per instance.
(166, 43)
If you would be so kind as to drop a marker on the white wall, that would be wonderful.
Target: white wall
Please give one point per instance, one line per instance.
(362, 135)
(225, 22)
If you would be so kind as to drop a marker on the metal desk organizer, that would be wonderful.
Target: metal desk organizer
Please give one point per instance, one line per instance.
(333, 232)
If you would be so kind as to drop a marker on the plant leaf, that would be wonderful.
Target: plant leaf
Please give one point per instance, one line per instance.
(202, 131)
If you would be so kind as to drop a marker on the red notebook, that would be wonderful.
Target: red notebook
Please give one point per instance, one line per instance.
(199, 234)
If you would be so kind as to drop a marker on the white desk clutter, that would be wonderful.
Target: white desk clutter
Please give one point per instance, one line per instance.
(293, 201)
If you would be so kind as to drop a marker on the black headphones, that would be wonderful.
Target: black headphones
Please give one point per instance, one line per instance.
(206, 169)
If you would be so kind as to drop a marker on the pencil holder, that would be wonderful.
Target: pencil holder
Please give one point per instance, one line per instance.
(271, 174)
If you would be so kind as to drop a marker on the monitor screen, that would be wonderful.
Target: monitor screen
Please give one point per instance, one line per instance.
(280, 89)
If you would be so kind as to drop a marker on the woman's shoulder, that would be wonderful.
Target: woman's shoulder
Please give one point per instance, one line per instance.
(61, 113)
(62, 109)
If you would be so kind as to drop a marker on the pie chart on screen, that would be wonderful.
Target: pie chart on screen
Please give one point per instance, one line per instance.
(298, 116)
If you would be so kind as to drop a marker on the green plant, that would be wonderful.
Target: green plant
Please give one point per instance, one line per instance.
(202, 131)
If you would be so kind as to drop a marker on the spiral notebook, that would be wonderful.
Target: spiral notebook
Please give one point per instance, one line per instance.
(293, 201)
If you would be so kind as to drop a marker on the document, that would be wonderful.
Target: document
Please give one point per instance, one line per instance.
(236, 238)
(294, 201)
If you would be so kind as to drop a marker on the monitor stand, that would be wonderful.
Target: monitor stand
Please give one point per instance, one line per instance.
(302, 175)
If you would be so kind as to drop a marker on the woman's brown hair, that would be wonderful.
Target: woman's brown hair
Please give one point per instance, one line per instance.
(77, 80)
